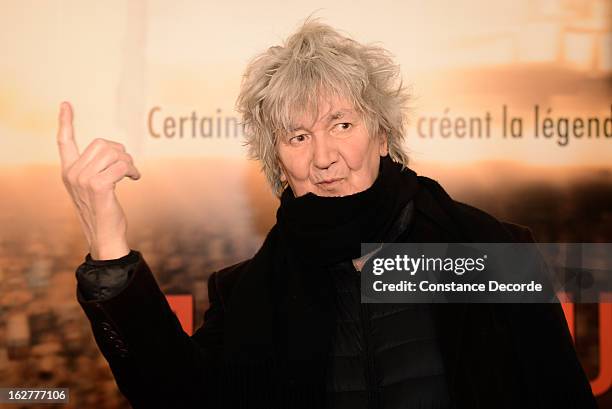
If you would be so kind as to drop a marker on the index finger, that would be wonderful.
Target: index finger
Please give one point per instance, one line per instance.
(69, 152)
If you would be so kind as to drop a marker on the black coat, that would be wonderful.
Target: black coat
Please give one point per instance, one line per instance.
(495, 355)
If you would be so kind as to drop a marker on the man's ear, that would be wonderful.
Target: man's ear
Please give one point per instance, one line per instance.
(383, 148)
(283, 177)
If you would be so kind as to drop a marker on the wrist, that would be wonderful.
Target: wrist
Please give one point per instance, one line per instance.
(110, 251)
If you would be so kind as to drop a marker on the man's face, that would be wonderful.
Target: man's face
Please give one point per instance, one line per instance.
(334, 156)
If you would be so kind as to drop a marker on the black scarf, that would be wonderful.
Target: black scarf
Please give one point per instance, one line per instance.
(279, 321)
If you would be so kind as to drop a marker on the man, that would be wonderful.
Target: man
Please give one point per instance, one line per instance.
(285, 328)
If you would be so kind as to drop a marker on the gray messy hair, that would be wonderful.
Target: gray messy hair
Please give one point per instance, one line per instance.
(317, 60)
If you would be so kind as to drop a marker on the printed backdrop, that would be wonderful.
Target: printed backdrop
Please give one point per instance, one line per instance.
(512, 113)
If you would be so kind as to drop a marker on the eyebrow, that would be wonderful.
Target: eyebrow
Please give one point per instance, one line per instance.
(331, 117)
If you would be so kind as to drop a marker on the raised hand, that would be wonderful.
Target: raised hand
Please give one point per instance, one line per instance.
(90, 179)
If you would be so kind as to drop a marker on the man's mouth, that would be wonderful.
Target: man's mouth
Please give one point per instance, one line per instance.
(329, 181)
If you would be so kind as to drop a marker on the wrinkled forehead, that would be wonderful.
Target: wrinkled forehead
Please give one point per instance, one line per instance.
(304, 112)
(327, 112)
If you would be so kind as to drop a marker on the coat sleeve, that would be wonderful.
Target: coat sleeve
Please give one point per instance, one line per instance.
(154, 362)
(102, 279)
(547, 352)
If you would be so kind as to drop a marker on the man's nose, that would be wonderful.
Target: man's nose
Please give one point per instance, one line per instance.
(325, 151)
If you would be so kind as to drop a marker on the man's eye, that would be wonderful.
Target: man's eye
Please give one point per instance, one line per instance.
(345, 125)
(297, 139)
